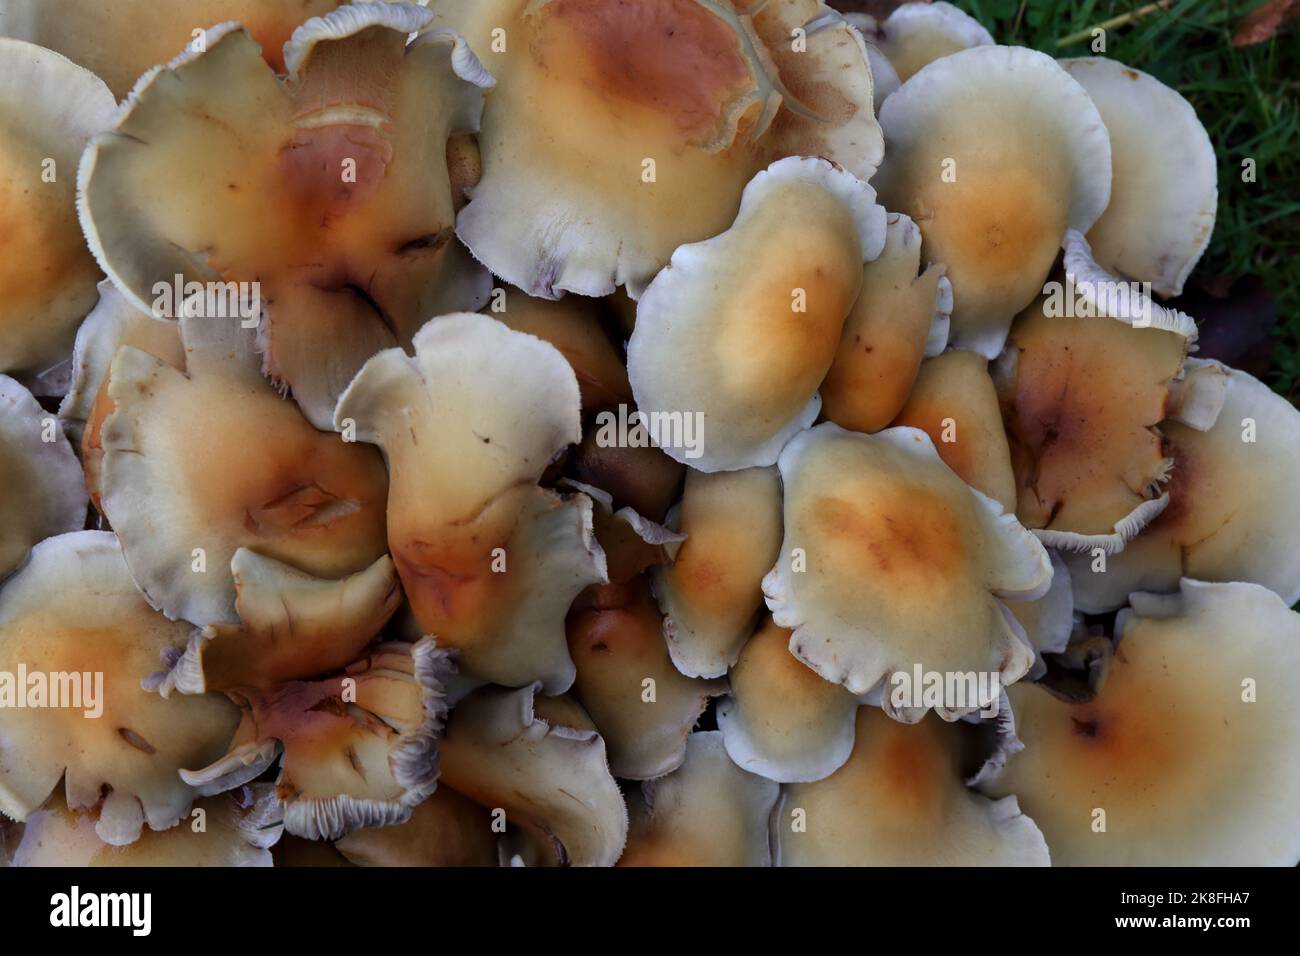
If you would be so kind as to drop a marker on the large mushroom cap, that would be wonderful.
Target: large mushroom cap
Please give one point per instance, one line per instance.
(994, 152)
(49, 108)
(915, 34)
(1232, 513)
(734, 337)
(1190, 752)
(1164, 181)
(73, 615)
(891, 562)
(900, 801)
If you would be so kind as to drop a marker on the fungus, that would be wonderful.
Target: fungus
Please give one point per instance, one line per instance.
(916, 34)
(447, 829)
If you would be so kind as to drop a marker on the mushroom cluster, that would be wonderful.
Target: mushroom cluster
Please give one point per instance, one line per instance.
(583, 432)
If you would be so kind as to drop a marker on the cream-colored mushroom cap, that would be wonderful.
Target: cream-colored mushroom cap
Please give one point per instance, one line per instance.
(328, 188)
(1232, 502)
(541, 761)
(734, 337)
(619, 131)
(712, 593)
(1164, 183)
(995, 152)
(915, 34)
(708, 812)
(1189, 755)
(900, 801)
(1048, 621)
(890, 561)
(49, 108)
(1099, 293)
(41, 489)
(257, 475)
(73, 616)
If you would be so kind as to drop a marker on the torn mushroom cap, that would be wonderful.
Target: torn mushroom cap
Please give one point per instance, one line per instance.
(445, 830)
(542, 767)
(1232, 512)
(73, 610)
(898, 319)
(1048, 621)
(1164, 188)
(712, 593)
(49, 108)
(256, 475)
(335, 198)
(890, 561)
(1081, 399)
(620, 131)
(489, 561)
(783, 721)
(916, 34)
(357, 750)
(291, 626)
(642, 705)
(41, 489)
(708, 812)
(734, 337)
(954, 401)
(995, 152)
(900, 801)
(631, 542)
(234, 829)
(1190, 752)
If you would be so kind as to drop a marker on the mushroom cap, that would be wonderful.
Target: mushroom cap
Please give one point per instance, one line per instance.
(1187, 771)
(916, 34)
(49, 108)
(712, 593)
(617, 646)
(782, 720)
(42, 493)
(890, 561)
(1232, 512)
(995, 152)
(884, 78)
(73, 609)
(335, 194)
(898, 319)
(591, 93)
(1164, 178)
(708, 812)
(546, 770)
(631, 542)
(445, 830)
(639, 476)
(257, 475)
(736, 334)
(1110, 296)
(1048, 621)
(1081, 399)
(955, 402)
(900, 801)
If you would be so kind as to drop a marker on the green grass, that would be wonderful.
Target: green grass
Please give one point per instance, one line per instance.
(1249, 100)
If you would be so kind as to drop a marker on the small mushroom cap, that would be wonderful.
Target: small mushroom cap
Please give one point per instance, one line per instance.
(891, 561)
(708, 812)
(995, 152)
(916, 34)
(712, 593)
(1081, 400)
(955, 402)
(549, 776)
(445, 830)
(1191, 747)
(900, 801)
(1164, 186)
(49, 108)
(898, 319)
(783, 721)
(1232, 512)
(234, 829)
(631, 542)
(41, 489)
(256, 475)
(73, 612)
(642, 705)
(736, 334)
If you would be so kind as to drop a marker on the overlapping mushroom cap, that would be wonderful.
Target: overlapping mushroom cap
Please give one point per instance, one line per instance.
(49, 108)
(329, 187)
(447, 829)
(72, 620)
(915, 34)
(994, 152)
(1190, 752)
(891, 561)
(619, 131)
